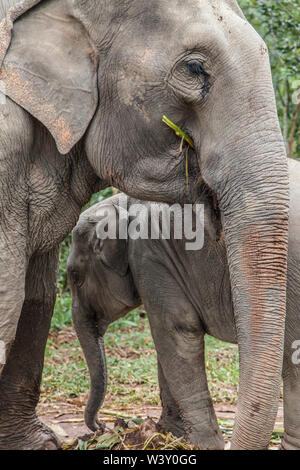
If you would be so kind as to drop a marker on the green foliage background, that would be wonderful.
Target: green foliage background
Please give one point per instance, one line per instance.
(278, 22)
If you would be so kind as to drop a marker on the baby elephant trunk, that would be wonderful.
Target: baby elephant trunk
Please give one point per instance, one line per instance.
(91, 341)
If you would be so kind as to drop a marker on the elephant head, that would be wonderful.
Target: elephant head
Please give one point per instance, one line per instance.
(104, 73)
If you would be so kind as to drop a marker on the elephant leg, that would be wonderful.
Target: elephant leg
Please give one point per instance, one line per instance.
(291, 382)
(291, 438)
(12, 293)
(180, 347)
(170, 419)
(21, 376)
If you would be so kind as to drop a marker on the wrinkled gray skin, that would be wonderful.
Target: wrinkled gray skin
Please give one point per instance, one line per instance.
(87, 84)
(186, 294)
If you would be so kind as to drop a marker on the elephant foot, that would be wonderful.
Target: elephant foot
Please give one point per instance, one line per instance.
(213, 441)
(31, 434)
(289, 443)
(173, 425)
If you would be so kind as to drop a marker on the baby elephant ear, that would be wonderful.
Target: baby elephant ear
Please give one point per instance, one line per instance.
(49, 67)
(114, 249)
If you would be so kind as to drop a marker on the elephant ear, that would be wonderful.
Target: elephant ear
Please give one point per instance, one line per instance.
(49, 67)
(114, 255)
(114, 249)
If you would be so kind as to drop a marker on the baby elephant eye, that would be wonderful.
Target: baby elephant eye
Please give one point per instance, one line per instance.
(195, 67)
(76, 278)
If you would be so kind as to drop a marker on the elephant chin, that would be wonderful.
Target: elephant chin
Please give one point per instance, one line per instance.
(93, 347)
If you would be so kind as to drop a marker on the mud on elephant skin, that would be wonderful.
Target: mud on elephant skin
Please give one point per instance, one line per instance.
(86, 86)
(186, 294)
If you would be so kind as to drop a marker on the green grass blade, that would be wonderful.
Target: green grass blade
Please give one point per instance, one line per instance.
(178, 131)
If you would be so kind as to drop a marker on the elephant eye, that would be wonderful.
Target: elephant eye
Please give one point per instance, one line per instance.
(195, 67)
(76, 278)
(189, 79)
(199, 75)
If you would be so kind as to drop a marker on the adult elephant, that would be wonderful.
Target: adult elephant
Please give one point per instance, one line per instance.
(87, 84)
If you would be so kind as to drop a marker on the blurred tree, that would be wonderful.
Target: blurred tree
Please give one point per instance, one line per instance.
(278, 22)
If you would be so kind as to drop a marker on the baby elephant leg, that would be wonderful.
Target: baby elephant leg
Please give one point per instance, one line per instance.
(170, 419)
(179, 341)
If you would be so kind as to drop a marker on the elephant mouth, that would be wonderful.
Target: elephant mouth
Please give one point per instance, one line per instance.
(192, 174)
(216, 214)
(183, 150)
(206, 196)
(215, 204)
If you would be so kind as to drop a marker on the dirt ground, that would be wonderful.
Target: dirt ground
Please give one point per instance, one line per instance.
(66, 419)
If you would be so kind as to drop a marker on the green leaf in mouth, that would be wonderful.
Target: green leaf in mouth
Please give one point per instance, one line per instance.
(178, 131)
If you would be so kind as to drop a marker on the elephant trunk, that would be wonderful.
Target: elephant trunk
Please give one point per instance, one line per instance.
(255, 224)
(91, 341)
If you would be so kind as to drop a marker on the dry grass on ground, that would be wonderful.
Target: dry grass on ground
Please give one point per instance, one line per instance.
(132, 393)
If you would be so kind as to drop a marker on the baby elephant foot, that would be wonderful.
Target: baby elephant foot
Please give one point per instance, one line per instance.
(27, 435)
(290, 443)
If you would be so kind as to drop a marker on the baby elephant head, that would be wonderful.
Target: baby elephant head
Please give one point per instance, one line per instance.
(102, 291)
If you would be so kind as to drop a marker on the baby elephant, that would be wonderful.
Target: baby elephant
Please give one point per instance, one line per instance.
(186, 294)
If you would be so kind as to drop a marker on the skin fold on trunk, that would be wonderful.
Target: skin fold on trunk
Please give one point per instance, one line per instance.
(92, 344)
